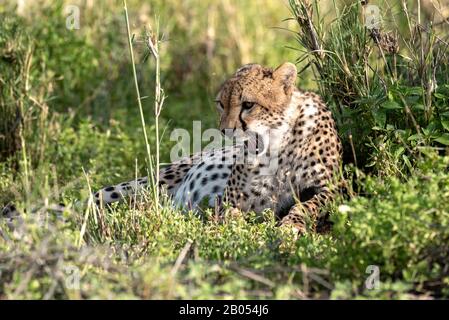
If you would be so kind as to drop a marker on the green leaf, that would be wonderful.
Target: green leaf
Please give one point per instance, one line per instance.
(440, 96)
(380, 117)
(407, 161)
(391, 105)
(390, 96)
(413, 137)
(445, 124)
(417, 91)
(418, 106)
(399, 152)
(411, 100)
(443, 139)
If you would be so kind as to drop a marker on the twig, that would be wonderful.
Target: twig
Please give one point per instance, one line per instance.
(136, 84)
(86, 213)
(181, 257)
(352, 148)
(152, 41)
(254, 276)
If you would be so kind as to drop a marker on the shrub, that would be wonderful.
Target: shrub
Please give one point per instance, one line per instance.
(383, 82)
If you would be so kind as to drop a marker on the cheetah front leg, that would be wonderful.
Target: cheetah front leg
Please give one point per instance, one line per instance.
(302, 216)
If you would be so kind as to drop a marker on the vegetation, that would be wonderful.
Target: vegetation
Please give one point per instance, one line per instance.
(70, 123)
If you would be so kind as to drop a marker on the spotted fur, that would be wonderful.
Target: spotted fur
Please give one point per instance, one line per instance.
(292, 175)
(302, 137)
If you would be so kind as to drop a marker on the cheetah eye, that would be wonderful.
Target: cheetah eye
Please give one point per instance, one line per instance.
(247, 105)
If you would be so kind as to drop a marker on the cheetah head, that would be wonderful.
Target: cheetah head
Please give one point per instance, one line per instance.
(255, 99)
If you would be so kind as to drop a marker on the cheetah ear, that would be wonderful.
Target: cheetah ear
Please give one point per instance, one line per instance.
(285, 74)
(246, 68)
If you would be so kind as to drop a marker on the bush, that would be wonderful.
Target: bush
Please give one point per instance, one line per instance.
(387, 82)
(400, 227)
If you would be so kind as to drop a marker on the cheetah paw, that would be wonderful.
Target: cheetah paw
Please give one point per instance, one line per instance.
(290, 226)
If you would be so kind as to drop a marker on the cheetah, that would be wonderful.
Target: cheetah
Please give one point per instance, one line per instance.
(303, 139)
(293, 140)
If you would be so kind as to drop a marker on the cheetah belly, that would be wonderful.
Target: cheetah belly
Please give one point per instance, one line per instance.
(206, 179)
(269, 192)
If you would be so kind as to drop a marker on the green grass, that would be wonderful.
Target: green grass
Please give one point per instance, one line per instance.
(80, 127)
(400, 227)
